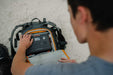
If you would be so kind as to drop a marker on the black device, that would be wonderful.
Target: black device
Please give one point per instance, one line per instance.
(41, 43)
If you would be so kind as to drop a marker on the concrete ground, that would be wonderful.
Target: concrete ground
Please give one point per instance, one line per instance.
(14, 12)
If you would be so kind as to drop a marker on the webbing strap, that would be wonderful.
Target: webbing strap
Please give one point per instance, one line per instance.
(11, 40)
(61, 38)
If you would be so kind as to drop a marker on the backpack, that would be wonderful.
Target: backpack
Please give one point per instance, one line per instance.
(46, 35)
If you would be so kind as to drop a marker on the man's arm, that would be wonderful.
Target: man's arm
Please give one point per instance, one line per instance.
(19, 65)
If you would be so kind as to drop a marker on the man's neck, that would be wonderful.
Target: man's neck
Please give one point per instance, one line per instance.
(101, 44)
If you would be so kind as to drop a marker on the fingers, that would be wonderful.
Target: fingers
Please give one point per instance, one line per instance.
(26, 36)
(25, 40)
(31, 41)
(63, 58)
(64, 61)
(73, 61)
(21, 37)
(29, 36)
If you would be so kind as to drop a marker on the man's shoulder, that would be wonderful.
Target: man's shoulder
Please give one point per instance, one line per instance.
(84, 68)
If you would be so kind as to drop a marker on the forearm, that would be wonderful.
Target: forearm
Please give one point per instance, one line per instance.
(19, 65)
(20, 55)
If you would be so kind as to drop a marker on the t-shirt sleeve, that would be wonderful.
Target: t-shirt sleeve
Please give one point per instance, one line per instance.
(91, 67)
(56, 69)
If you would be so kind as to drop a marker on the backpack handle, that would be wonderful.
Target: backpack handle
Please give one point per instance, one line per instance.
(35, 19)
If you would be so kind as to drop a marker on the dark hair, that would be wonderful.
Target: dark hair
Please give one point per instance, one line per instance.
(101, 12)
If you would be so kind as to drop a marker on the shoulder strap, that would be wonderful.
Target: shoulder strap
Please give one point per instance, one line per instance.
(11, 40)
(61, 40)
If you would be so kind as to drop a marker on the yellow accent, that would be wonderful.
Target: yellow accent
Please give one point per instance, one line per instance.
(52, 38)
(43, 31)
(66, 54)
(37, 32)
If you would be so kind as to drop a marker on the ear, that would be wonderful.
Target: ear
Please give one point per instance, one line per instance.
(83, 17)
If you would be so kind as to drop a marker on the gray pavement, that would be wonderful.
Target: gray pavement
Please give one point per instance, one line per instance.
(14, 12)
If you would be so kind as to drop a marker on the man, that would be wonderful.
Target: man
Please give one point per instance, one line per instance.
(92, 21)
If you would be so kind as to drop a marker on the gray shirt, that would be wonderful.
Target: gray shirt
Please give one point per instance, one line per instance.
(93, 66)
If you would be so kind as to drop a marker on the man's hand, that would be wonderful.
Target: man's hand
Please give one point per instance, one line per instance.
(19, 64)
(25, 41)
(64, 60)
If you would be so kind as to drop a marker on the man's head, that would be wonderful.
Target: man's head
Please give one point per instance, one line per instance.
(87, 15)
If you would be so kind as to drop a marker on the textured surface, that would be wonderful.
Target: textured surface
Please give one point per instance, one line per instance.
(14, 12)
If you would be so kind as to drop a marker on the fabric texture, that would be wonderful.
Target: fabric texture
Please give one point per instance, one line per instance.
(93, 66)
